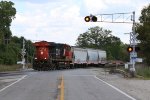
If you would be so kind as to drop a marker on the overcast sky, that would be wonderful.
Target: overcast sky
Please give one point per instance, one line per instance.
(63, 20)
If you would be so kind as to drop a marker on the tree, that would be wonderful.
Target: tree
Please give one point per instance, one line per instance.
(100, 38)
(10, 53)
(7, 14)
(144, 33)
(95, 37)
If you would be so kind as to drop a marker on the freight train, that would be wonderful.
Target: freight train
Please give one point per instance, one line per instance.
(51, 56)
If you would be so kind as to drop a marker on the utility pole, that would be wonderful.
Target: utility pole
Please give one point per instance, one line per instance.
(23, 54)
(120, 18)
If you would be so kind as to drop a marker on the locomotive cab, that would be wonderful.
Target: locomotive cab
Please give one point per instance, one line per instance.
(41, 51)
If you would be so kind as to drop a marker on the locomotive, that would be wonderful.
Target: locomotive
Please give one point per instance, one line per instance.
(51, 56)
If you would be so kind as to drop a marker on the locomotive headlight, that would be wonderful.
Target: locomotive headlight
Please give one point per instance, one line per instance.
(41, 53)
(35, 58)
(44, 58)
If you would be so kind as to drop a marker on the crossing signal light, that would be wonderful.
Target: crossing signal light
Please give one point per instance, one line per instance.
(90, 18)
(130, 49)
(87, 18)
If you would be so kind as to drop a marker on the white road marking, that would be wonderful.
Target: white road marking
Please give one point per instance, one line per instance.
(13, 83)
(115, 88)
(81, 75)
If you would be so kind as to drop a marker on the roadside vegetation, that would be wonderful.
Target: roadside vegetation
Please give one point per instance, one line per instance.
(143, 72)
(4, 68)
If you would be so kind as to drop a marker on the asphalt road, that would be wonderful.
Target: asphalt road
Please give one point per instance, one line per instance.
(33, 86)
(79, 84)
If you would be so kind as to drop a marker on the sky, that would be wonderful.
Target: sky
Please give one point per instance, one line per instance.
(62, 21)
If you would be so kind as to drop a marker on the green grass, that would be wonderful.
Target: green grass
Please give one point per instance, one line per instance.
(4, 68)
(144, 72)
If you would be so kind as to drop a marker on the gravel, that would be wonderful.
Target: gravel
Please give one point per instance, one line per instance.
(137, 88)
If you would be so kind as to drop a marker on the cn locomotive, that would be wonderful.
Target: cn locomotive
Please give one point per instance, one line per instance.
(51, 56)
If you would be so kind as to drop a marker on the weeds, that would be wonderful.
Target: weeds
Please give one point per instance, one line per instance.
(4, 68)
(143, 71)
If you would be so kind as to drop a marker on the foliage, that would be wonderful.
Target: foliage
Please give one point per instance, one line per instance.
(4, 68)
(144, 33)
(145, 72)
(100, 38)
(10, 46)
(29, 51)
(11, 53)
(7, 14)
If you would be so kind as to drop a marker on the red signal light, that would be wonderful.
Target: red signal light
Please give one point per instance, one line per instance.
(130, 49)
(87, 18)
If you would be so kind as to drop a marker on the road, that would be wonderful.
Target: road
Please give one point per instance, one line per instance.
(33, 86)
(83, 84)
(79, 84)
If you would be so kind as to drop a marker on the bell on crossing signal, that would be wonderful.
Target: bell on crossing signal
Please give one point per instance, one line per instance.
(90, 18)
(130, 49)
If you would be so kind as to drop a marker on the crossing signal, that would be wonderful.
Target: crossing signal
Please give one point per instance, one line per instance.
(130, 49)
(90, 18)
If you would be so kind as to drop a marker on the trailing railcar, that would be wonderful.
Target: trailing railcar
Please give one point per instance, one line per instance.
(102, 57)
(92, 56)
(88, 57)
(80, 57)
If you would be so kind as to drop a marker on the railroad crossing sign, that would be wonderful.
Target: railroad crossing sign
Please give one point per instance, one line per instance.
(133, 40)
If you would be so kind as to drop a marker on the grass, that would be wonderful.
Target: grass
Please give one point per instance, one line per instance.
(144, 72)
(4, 68)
